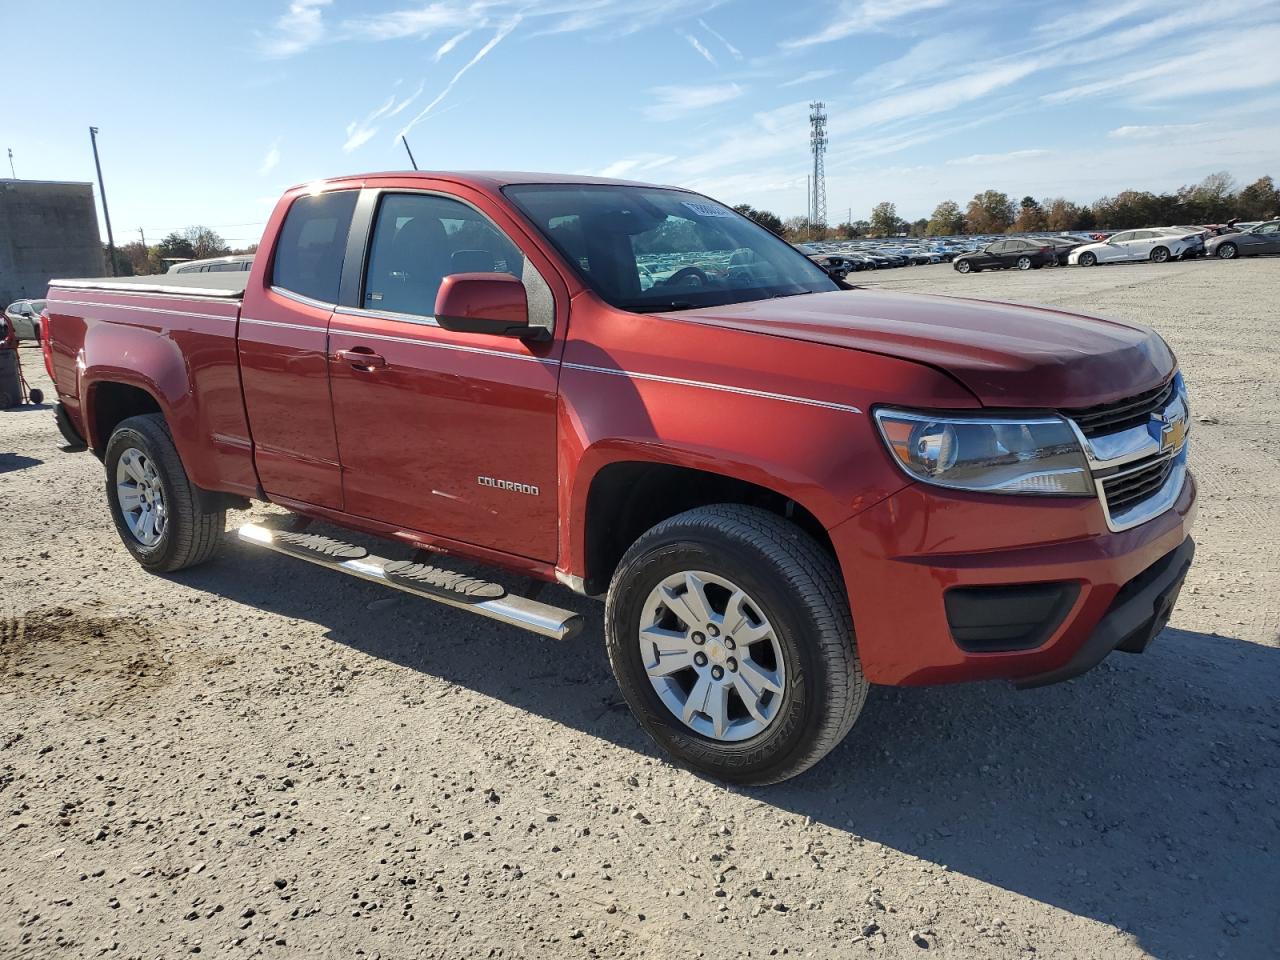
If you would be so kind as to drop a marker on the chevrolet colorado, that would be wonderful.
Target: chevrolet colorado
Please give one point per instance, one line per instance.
(784, 487)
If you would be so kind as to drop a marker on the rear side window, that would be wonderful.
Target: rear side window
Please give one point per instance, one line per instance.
(312, 244)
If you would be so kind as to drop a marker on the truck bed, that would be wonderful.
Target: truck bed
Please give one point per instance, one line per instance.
(222, 286)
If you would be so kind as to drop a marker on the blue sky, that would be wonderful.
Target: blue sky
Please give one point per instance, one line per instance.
(207, 111)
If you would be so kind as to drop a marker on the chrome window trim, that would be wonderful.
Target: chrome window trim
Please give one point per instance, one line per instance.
(302, 298)
(309, 328)
(420, 319)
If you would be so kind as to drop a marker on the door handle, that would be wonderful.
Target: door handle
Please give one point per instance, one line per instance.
(362, 358)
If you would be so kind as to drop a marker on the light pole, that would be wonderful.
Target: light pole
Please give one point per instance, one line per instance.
(106, 214)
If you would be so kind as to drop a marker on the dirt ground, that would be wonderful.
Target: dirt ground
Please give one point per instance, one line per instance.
(262, 758)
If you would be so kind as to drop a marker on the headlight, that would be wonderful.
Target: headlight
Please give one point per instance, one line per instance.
(988, 455)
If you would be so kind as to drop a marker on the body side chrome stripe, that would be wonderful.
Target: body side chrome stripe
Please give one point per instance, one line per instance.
(284, 326)
(140, 309)
(719, 387)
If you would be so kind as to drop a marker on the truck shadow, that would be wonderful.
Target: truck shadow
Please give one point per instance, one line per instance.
(1143, 795)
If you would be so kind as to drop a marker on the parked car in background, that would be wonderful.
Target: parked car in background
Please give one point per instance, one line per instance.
(233, 264)
(1264, 238)
(24, 318)
(1006, 254)
(1062, 247)
(1154, 244)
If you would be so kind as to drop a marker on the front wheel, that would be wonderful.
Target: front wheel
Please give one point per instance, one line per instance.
(1160, 255)
(1024, 263)
(1227, 251)
(963, 266)
(158, 512)
(1088, 259)
(730, 635)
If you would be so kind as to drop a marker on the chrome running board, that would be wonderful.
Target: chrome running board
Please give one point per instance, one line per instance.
(516, 611)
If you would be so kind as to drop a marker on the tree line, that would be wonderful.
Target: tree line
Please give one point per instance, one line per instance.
(194, 243)
(1215, 199)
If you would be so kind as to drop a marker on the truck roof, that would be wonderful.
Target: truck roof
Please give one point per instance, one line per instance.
(492, 179)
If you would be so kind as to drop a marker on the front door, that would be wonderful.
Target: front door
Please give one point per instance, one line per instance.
(451, 435)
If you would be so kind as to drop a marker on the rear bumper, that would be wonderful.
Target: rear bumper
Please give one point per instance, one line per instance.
(1061, 590)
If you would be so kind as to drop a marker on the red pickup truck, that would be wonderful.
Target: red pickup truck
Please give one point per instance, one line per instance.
(785, 488)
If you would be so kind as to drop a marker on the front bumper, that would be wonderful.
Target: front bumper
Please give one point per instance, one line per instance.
(902, 556)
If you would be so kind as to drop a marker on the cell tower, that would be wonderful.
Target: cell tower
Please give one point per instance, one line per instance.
(818, 142)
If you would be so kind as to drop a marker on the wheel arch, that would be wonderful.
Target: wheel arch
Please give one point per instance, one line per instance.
(632, 493)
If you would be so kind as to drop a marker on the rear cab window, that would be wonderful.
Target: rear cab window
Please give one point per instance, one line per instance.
(312, 245)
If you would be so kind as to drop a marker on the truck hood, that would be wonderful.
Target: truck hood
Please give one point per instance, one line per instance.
(1007, 355)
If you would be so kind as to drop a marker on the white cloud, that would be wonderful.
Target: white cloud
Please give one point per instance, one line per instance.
(863, 17)
(813, 76)
(697, 45)
(360, 132)
(673, 102)
(270, 161)
(483, 52)
(733, 51)
(989, 159)
(296, 30)
(636, 164)
(449, 44)
(1152, 131)
(945, 94)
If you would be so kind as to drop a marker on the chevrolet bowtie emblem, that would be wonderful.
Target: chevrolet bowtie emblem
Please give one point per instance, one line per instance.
(1172, 435)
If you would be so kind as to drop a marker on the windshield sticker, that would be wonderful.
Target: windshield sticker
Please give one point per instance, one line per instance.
(707, 209)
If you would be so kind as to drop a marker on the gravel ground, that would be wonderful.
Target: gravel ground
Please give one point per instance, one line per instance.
(261, 758)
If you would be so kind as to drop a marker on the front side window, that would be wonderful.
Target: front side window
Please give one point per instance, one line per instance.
(313, 244)
(649, 248)
(419, 239)
(1121, 237)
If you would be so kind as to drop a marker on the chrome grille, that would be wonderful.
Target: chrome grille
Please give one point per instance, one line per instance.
(1136, 483)
(1129, 412)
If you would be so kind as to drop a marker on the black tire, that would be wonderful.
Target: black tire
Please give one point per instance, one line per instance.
(192, 534)
(963, 266)
(1228, 251)
(797, 587)
(36, 396)
(1160, 255)
(1023, 263)
(1088, 259)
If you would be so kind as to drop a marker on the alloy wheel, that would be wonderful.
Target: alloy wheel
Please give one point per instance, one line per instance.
(141, 497)
(712, 656)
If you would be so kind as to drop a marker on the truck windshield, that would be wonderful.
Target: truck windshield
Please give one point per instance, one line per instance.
(652, 249)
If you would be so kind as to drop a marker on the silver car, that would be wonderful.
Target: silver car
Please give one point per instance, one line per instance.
(24, 317)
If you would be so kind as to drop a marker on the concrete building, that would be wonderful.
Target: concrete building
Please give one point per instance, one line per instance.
(48, 230)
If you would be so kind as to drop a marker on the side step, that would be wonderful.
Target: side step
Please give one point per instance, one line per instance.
(431, 583)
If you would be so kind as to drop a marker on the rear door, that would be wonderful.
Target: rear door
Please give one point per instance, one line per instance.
(284, 369)
(452, 435)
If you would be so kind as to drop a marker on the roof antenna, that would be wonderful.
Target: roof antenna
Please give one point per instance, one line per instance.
(408, 151)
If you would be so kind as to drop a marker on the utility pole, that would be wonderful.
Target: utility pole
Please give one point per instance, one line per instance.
(11, 170)
(144, 238)
(408, 151)
(106, 214)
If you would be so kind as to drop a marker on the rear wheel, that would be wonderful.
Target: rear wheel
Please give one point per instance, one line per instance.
(1023, 263)
(157, 510)
(1160, 255)
(1228, 251)
(729, 633)
(1088, 259)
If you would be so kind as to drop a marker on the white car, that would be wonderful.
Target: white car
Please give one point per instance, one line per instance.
(24, 318)
(1154, 245)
